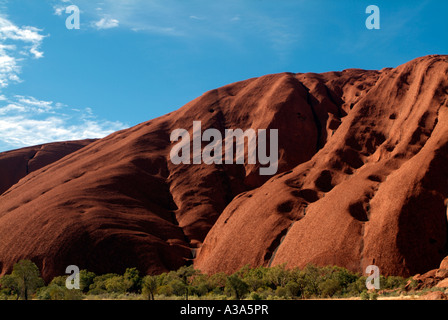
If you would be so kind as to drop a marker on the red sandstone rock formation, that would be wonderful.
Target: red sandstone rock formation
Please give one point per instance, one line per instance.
(362, 180)
(16, 164)
(374, 194)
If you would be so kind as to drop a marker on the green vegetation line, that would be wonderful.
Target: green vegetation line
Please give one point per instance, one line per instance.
(260, 283)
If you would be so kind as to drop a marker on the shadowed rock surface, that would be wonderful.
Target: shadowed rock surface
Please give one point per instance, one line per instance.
(16, 164)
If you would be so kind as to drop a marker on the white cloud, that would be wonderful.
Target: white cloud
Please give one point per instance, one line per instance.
(27, 121)
(158, 30)
(196, 18)
(231, 21)
(27, 34)
(16, 43)
(11, 108)
(37, 54)
(58, 10)
(35, 105)
(106, 23)
(9, 69)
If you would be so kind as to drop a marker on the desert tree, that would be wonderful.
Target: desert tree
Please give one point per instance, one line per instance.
(237, 286)
(185, 274)
(150, 286)
(27, 277)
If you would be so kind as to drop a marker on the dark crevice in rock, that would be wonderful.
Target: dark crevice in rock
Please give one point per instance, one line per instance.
(273, 248)
(317, 122)
(28, 161)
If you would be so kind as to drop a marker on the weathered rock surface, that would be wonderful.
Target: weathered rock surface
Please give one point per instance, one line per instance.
(435, 295)
(362, 179)
(374, 194)
(16, 164)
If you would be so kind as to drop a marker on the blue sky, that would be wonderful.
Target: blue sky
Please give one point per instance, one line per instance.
(134, 60)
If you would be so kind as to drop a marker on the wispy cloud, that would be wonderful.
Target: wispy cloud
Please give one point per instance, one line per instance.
(27, 34)
(158, 30)
(26, 121)
(58, 10)
(16, 44)
(196, 18)
(60, 7)
(232, 22)
(106, 23)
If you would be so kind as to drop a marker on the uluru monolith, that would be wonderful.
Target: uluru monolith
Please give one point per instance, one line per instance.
(361, 180)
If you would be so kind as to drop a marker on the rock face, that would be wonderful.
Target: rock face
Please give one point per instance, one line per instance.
(16, 164)
(433, 278)
(374, 194)
(362, 179)
(436, 295)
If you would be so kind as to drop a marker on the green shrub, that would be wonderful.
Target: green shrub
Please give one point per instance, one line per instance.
(116, 284)
(265, 293)
(178, 287)
(57, 292)
(150, 285)
(99, 284)
(255, 296)
(86, 279)
(256, 278)
(293, 289)
(281, 292)
(261, 282)
(216, 283)
(10, 286)
(5, 296)
(199, 289)
(329, 287)
(373, 295)
(365, 295)
(165, 290)
(277, 276)
(310, 279)
(132, 280)
(59, 281)
(357, 287)
(236, 286)
(392, 282)
(186, 276)
(23, 281)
